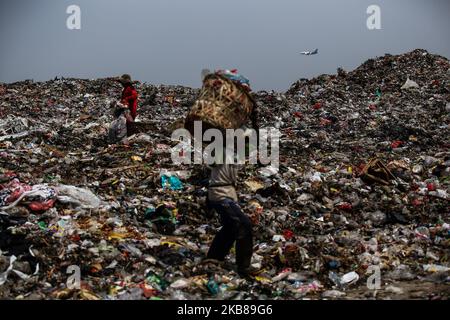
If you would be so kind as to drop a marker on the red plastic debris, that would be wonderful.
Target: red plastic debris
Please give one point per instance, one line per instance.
(147, 290)
(395, 144)
(42, 206)
(288, 234)
(345, 206)
(317, 106)
(298, 115)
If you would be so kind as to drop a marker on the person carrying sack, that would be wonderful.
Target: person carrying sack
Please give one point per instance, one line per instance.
(236, 225)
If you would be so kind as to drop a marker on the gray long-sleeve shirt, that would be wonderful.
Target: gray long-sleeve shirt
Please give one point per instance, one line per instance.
(222, 182)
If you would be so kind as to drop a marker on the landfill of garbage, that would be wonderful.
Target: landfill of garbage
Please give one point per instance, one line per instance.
(358, 209)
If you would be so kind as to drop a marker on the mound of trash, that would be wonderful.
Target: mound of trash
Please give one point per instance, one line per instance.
(359, 207)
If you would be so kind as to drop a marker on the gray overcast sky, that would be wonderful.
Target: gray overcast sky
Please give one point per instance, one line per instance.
(170, 41)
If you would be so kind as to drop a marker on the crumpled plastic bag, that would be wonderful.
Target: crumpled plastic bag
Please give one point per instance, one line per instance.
(4, 275)
(118, 130)
(78, 197)
(171, 182)
(409, 84)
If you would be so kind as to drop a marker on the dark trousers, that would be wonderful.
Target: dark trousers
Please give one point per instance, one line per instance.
(131, 128)
(236, 227)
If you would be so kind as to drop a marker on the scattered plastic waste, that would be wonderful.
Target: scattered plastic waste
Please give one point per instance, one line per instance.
(363, 182)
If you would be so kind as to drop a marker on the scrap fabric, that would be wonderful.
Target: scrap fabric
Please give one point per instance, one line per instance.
(38, 197)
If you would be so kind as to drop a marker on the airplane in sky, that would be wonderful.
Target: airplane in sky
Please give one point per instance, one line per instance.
(309, 53)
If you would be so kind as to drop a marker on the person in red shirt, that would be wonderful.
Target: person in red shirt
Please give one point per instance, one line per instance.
(129, 99)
